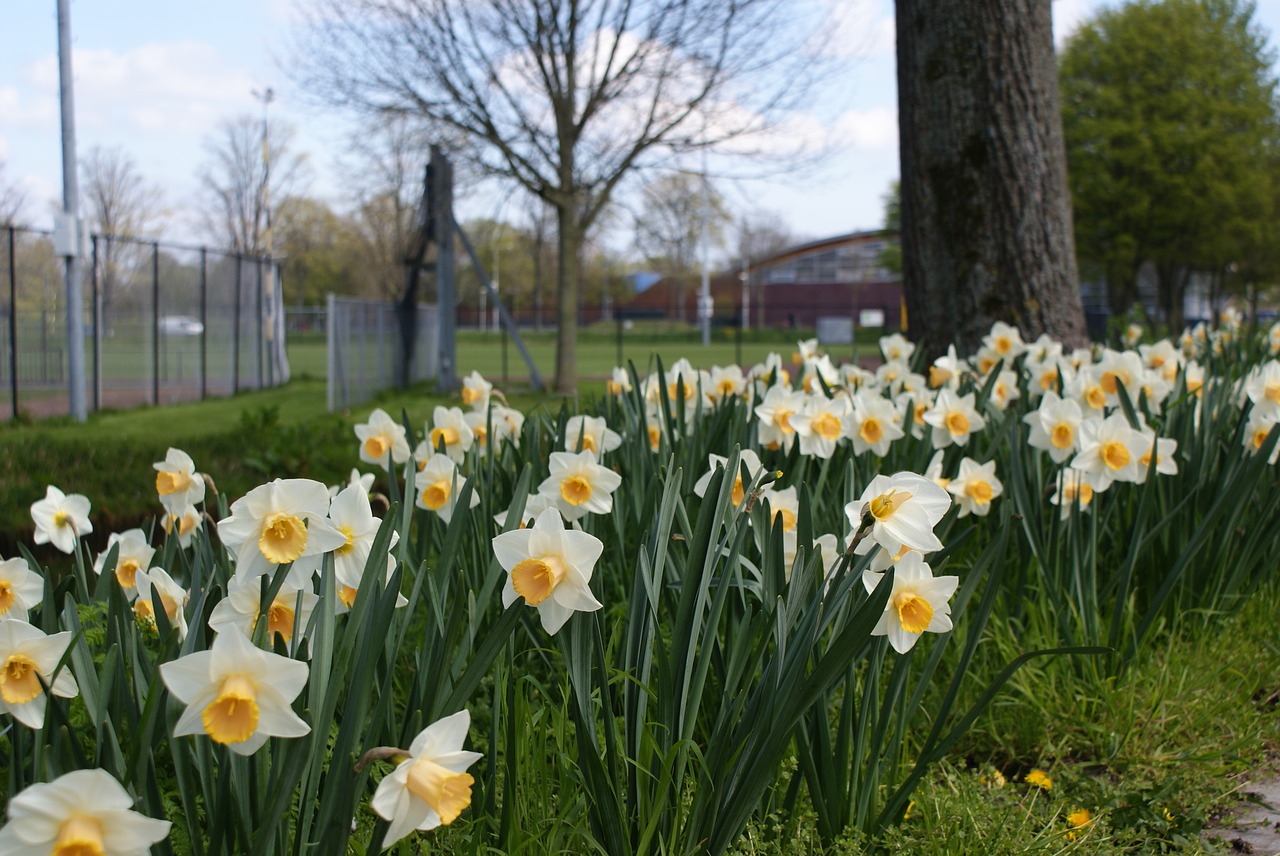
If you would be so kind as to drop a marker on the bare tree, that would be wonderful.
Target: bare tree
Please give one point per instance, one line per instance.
(566, 97)
(986, 214)
(119, 205)
(234, 176)
(11, 200)
(668, 227)
(760, 234)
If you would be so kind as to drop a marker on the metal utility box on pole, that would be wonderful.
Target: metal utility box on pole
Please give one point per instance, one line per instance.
(70, 228)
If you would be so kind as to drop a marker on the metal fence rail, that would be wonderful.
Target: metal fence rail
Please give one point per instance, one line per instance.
(163, 323)
(363, 346)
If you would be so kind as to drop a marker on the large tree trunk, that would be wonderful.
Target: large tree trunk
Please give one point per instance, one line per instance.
(570, 245)
(986, 215)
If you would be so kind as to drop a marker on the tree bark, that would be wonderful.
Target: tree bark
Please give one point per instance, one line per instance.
(986, 213)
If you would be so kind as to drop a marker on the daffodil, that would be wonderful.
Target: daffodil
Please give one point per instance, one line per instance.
(903, 510)
(1072, 488)
(725, 383)
(352, 515)
(28, 659)
(820, 425)
(784, 505)
(61, 519)
(895, 347)
(431, 786)
(364, 481)
(81, 813)
(439, 483)
(1109, 451)
(278, 522)
(133, 554)
(974, 487)
(919, 602)
(534, 505)
(476, 391)
(1256, 432)
(21, 589)
(172, 596)
(177, 482)
(449, 433)
(186, 523)
(237, 694)
(873, 424)
(619, 382)
(590, 434)
(578, 485)
(738, 495)
(241, 609)
(1055, 427)
(550, 567)
(954, 419)
(382, 440)
(774, 416)
(1262, 386)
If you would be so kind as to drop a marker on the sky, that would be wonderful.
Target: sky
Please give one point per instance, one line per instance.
(154, 79)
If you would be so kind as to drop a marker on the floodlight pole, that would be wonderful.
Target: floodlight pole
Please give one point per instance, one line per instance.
(71, 211)
(704, 294)
(266, 96)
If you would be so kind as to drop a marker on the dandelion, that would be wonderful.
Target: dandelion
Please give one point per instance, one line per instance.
(550, 567)
(1079, 818)
(21, 589)
(81, 813)
(27, 660)
(237, 694)
(382, 440)
(61, 519)
(919, 602)
(431, 786)
(1038, 778)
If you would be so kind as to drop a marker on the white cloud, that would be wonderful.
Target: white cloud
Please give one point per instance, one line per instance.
(20, 112)
(174, 87)
(860, 28)
(872, 129)
(1068, 15)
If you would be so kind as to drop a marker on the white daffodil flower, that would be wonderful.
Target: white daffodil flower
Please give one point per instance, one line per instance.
(21, 589)
(1164, 450)
(954, 419)
(619, 382)
(1072, 487)
(904, 508)
(739, 494)
(449, 431)
(177, 482)
(725, 383)
(476, 392)
(873, 424)
(237, 694)
(81, 813)
(276, 523)
(1263, 388)
(579, 486)
(534, 505)
(550, 567)
(133, 554)
(27, 659)
(784, 505)
(364, 481)
(974, 487)
(61, 519)
(188, 522)
(896, 348)
(1055, 426)
(430, 787)
(172, 596)
(240, 609)
(1255, 436)
(918, 604)
(438, 484)
(1005, 340)
(382, 440)
(775, 413)
(820, 425)
(1109, 451)
(351, 514)
(590, 434)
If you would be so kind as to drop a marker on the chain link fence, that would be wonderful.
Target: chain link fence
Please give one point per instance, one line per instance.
(364, 346)
(164, 323)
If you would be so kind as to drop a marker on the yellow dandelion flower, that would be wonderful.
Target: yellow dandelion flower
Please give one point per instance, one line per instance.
(1040, 779)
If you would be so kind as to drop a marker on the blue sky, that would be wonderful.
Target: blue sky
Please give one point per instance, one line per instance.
(154, 78)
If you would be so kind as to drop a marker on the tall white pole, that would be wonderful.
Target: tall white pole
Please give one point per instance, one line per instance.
(704, 296)
(71, 212)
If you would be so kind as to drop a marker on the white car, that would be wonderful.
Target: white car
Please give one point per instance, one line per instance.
(180, 325)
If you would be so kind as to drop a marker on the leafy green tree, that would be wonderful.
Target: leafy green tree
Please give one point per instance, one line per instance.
(891, 255)
(1169, 112)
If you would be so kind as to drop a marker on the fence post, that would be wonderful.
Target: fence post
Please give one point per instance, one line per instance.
(155, 323)
(331, 352)
(257, 291)
(235, 335)
(96, 298)
(13, 326)
(204, 325)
